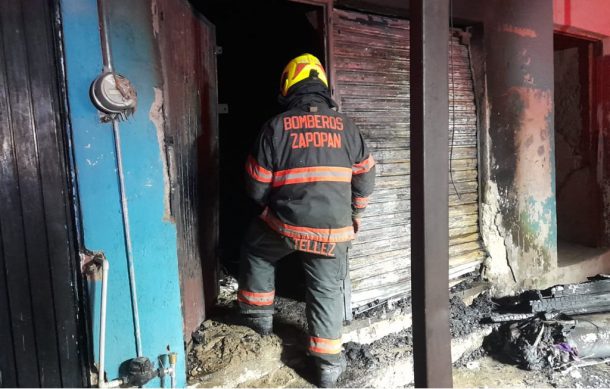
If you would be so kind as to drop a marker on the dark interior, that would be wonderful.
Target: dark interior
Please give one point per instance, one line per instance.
(579, 199)
(257, 40)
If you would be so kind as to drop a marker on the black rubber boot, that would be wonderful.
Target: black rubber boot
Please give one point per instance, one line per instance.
(261, 324)
(329, 373)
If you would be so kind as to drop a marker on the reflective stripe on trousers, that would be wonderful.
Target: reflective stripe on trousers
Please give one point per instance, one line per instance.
(324, 276)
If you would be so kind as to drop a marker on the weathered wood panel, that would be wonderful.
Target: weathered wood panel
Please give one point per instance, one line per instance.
(371, 77)
(191, 142)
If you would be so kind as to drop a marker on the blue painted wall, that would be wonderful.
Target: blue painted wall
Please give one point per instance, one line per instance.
(153, 239)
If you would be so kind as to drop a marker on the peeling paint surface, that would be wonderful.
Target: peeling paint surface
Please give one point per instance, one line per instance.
(154, 8)
(156, 116)
(534, 163)
(498, 270)
(153, 240)
(518, 216)
(533, 181)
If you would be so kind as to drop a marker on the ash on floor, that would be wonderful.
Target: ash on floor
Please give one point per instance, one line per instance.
(362, 358)
(470, 359)
(224, 349)
(464, 319)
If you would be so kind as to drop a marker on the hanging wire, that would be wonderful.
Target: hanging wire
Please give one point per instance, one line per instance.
(452, 100)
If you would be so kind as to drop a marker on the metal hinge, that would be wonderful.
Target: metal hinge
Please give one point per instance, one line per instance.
(218, 50)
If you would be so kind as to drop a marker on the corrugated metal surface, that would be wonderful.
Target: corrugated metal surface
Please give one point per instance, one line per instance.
(39, 325)
(370, 56)
(191, 141)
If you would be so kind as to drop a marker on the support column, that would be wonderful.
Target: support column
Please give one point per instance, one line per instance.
(519, 222)
(429, 188)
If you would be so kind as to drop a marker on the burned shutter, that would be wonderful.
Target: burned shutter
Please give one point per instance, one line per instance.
(370, 64)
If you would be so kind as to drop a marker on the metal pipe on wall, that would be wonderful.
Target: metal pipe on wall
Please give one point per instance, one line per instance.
(106, 54)
(125, 214)
(102, 346)
(107, 59)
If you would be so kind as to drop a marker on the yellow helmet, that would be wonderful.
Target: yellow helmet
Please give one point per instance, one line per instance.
(300, 68)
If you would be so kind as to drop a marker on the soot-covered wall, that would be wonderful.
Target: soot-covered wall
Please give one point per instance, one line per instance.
(513, 59)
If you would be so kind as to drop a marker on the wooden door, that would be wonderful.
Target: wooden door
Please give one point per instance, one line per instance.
(187, 43)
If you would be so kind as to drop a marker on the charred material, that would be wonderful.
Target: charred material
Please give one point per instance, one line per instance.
(532, 344)
(572, 299)
(465, 319)
(536, 344)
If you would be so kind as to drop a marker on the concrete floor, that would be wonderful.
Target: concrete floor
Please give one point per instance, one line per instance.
(489, 373)
(576, 263)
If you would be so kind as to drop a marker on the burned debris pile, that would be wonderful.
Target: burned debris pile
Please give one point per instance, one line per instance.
(573, 299)
(557, 328)
(547, 332)
(532, 344)
(537, 343)
(464, 319)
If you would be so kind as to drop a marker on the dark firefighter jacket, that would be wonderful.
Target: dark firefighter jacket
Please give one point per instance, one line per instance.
(310, 169)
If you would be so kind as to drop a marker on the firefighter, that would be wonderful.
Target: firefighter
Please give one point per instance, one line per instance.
(312, 174)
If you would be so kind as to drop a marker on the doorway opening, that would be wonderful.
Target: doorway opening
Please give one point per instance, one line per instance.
(579, 198)
(257, 39)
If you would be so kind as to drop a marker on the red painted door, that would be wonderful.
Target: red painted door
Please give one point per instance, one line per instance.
(187, 43)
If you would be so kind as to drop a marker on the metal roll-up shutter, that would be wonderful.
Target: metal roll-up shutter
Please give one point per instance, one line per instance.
(370, 65)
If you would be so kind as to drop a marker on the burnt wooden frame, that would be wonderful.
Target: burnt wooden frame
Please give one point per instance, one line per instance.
(191, 148)
(327, 7)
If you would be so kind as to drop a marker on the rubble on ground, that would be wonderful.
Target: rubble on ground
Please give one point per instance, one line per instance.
(382, 351)
(227, 291)
(537, 343)
(219, 346)
(551, 333)
(554, 349)
(465, 319)
(364, 358)
(223, 353)
(531, 344)
(470, 358)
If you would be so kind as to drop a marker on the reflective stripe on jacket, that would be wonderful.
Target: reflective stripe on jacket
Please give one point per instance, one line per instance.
(312, 171)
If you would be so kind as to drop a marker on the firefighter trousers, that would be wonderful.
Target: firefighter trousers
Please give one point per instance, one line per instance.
(324, 276)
